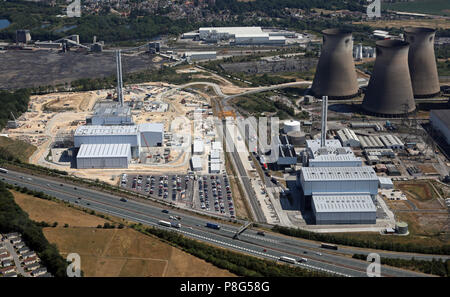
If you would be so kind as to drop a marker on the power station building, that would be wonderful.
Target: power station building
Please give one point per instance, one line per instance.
(241, 35)
(422, 62)
(104, 156)
(340, 180)
(335, 74)
(343, 209)
(89, 140)
(107, 114)
(440, 121)
(390, 92)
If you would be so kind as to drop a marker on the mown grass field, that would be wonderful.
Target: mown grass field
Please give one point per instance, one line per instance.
(112, 252)
(438, 7)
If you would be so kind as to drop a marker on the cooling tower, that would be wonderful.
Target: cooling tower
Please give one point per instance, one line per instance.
(422, 63)
(389, 92)
(335, 74)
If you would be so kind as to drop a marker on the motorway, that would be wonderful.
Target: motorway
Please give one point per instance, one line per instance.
(271, 246)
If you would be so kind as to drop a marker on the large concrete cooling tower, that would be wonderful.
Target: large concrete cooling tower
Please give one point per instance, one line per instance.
(335, 74)
(422, 64)
(389, 92)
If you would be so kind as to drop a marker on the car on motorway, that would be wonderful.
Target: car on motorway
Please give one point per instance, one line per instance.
(165, 211)
(302, 260)
(61, 185)
(123, 200)
(260, 233)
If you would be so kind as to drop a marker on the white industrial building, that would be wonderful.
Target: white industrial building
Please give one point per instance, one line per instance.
(215, 168)
(110, 114)
(440, 121)
(332, 155)
(196, 56)
(241, 35)
(343, 209)
(216, 146)
(104, 156)
(316, 180)
(383, 152)
(197, 163)
(348, 138)
(198, 147)
(385, 183)
(370, 142)
(215, 154)
(392, 142)
(152, 134)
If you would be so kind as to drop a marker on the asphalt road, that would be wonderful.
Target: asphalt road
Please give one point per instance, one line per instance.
(271, 246)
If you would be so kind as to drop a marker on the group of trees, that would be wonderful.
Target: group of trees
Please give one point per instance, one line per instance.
(435, 266)
(372, 244)
(14, 219)
(240, 264)
(15, 102)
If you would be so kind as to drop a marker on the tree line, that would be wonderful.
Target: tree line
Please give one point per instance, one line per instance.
(372, 244)
(14, 219)
(435, 266)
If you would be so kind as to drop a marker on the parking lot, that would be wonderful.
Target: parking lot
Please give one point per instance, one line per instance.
(214, 194)
(210, 193)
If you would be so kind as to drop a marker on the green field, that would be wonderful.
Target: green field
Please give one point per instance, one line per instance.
(438, 7)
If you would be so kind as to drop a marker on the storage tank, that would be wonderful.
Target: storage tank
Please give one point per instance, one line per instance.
(390, 92)
(402, 228)
(297, 138)
(335, 74)
(291, 125)
(422, 63)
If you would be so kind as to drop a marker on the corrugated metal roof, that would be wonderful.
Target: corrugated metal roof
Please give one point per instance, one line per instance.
(370, 141)
(443, 115)
(106, 130)
(196, 162)
(338, 173)
(343, 203)
(151, 127)
(104, 150)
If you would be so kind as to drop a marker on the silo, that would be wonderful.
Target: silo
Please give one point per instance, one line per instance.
(297, 138)
(291, 125)
(389, 92)
(335, 74)
(402, 228)
(422, 63)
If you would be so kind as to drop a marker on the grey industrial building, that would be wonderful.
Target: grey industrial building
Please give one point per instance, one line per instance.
(343, 209)
(152, 134)
(342, 180)
(110, 114)
(104, 156)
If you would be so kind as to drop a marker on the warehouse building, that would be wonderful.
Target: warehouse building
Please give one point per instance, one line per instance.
(332, 155)
(348, 138)
(198, 147)
(241, 35)
(392, 142)
(316, 180)
(370, 142)
(110, 114)
(343, 209)
(440, 121)
(104, 156)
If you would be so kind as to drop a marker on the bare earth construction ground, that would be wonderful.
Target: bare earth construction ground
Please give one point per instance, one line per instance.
(21, 69)
(112, 252)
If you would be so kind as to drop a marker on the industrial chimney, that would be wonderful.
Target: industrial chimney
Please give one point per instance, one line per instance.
(422, 63)
(389, 92)
(323, 132)
(335, 74)
(119, 78)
